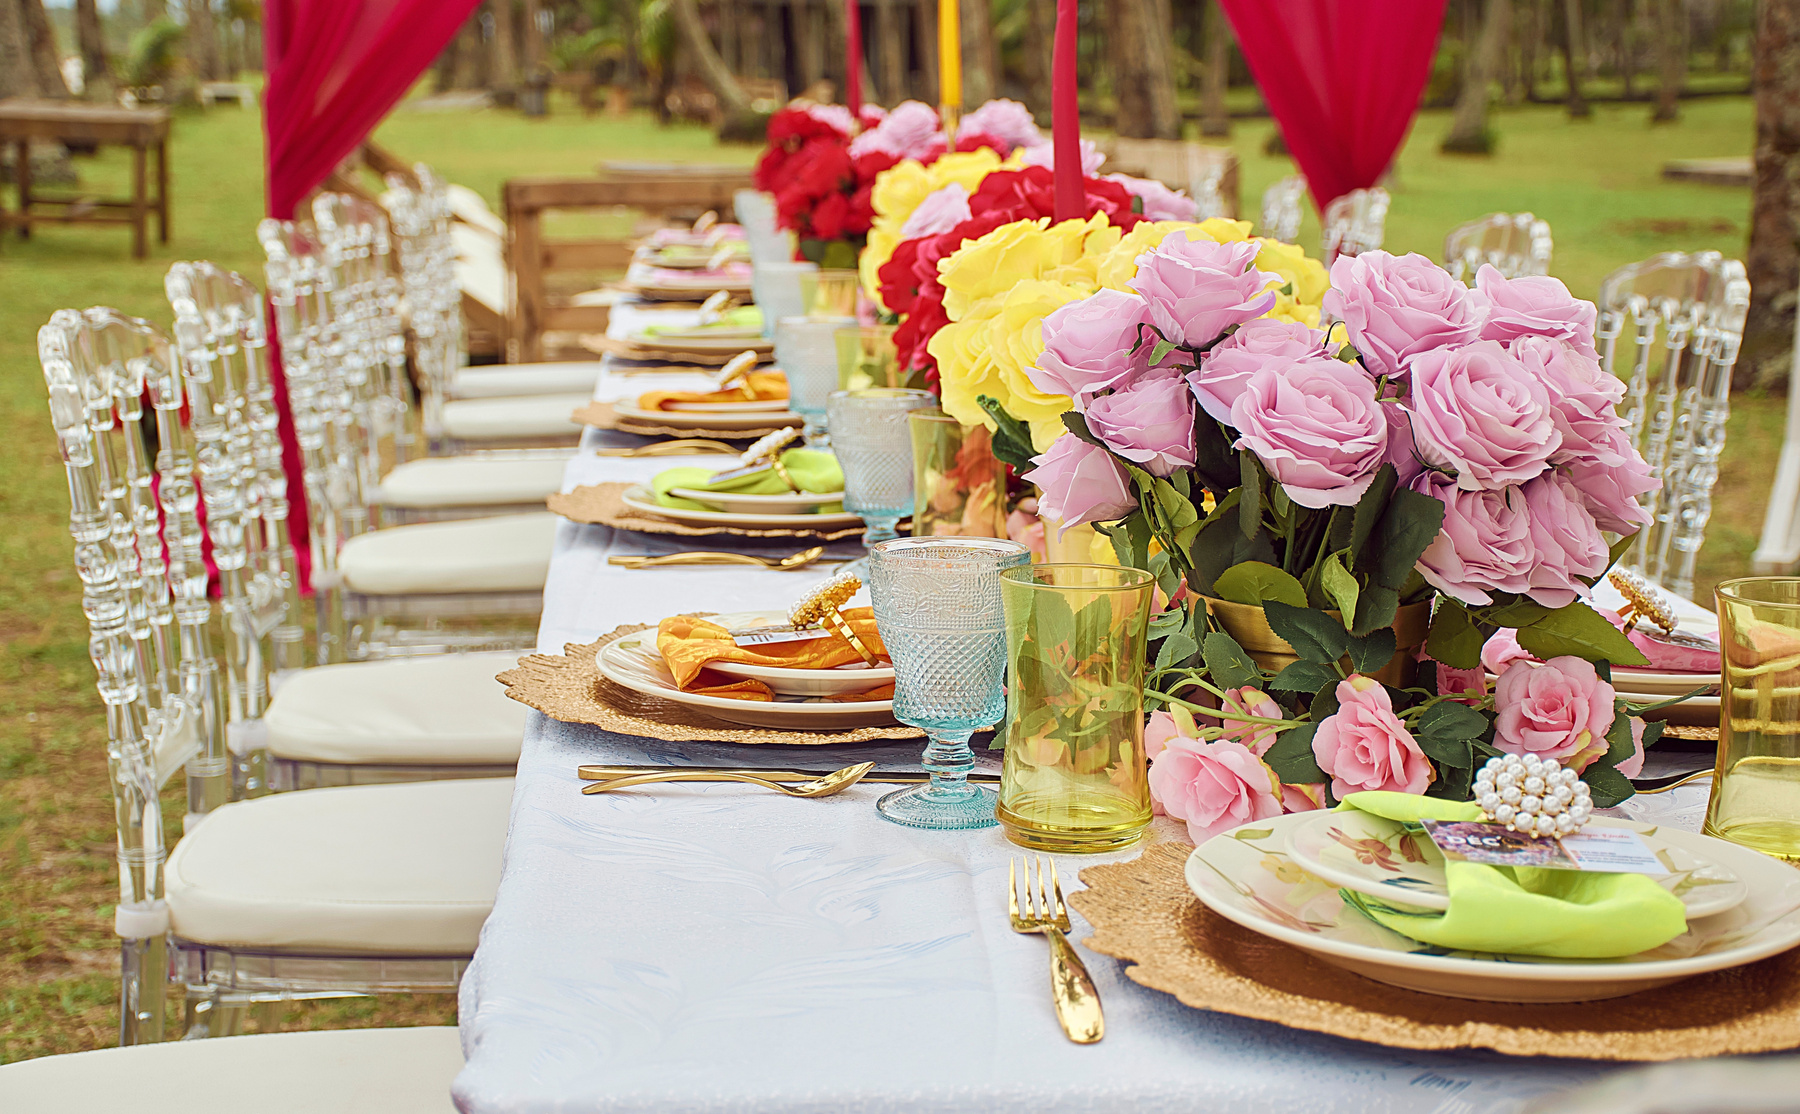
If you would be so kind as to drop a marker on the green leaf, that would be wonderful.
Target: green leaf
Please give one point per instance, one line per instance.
(1619, 746)
(1253, 582)
(1314, 635)
(1162, 349)
(1640, 710)
(1291, 756)
(1579, 630)
(1452, 782)
(1520, 612)
(1303, 676)
(1448, 720)
(1373, 650)
(1454, 639)
(1076, 424)
(1012, 438)
(1229, 665)
(1455, 753)
(1177, 650)
(1375, 608)
(1411, 523)
(1369, 510)
(1653, 733)
(1215, 461)
(1250, 502)
(1218, 546)
(1340, 587)
(1607, 785)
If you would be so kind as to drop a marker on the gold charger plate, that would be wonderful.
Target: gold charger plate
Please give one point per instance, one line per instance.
(568, 687)
(601, 415)
(604, 505)
(1143, 912)
(702, 355)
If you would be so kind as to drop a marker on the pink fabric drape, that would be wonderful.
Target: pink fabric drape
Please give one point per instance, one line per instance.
(335, 68)
(1341, 77)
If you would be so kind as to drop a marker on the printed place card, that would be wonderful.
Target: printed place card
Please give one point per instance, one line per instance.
(1603, 850)
(764, 636)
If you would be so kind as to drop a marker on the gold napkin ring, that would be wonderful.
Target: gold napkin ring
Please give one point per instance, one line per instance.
(835, 622)
(782, 473)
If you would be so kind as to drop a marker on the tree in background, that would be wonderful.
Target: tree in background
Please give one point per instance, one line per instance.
(203, 40)
(96, 70)
(1469, 132)
(1214, 119)
(1143, 81)
(1671, 54)
(1773, 260)
(1574, 52)
(44, 59)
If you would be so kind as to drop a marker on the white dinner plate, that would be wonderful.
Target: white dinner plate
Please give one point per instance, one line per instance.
(798, 682)
(723, 341)
(767, 407)
(1663, 684)
(1380, 857)
(791, 502)
(1248, 876)
(639, 497)
(633, 663)
(753, 419)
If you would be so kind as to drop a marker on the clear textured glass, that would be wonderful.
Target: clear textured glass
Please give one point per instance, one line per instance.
(782, 288)
(874, 447)
(1075, 777)
(806, 352)
(937, 606)
(1756, 785)
(755, 212)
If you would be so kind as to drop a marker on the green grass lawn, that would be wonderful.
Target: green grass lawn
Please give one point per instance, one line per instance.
(1595, 181)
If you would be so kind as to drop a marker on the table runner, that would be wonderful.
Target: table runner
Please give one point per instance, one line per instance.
(711, 947)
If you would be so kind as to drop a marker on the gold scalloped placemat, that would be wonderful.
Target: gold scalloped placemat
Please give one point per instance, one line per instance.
(600, 415)
(568, 687)
(604, 505)
(705, 357)
(1143, 912)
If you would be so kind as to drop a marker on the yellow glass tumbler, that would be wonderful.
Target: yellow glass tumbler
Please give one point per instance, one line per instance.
(867, 358)
(959, 486)
(1756, 785)
(1075, 778)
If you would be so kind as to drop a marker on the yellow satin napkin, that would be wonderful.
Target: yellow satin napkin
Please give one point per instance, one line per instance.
(689, 645)
(757, 386)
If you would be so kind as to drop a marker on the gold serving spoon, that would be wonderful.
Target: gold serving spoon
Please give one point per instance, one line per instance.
(686, 446)
(705, 557)
(834, 782)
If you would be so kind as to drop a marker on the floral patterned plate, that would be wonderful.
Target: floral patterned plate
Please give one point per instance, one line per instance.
(1248, 876)
(1383, 858)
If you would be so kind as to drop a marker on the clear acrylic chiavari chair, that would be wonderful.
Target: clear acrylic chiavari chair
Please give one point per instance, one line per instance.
(1671, 326)
(422, 587)
(1354, 223)
(1515, 244)
(1282, 209)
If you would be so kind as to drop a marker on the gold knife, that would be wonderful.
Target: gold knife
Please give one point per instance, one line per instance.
(904, 777)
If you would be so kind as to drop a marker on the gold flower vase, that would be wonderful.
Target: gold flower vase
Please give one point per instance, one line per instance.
(1249, 625)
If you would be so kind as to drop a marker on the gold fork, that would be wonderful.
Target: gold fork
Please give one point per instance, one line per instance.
(1071, 988)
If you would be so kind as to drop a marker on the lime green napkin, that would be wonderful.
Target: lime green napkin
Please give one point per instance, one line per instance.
(738, 317)
(813, 470)
(1570, 914)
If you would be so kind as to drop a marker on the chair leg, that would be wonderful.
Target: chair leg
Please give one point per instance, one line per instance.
(143, 985)
(210, 1013)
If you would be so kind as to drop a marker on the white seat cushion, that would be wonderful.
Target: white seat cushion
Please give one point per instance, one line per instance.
(502, 419)
(343, 1071)
(405, 869)
(446, 709)
(513, 380)
(481, 267)
(469, 206)
(507, 553)
(471, 481)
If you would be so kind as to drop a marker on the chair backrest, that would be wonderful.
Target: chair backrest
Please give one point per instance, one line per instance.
(432, 294)
(221, 340)
(1354, 223)
(366, 293)
(1689, 310)
(1281, 209)
(1514, 243)
(1208, 174)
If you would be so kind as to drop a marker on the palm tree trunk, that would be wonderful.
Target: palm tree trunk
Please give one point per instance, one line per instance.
(1574, 59)
(1214, 119)
(503, 61)
(1468, 125)
(203, 40)
(1773, 258)
(733, 102)
(980, 81)
(18, 78)
(96, 71)
(1671, 49)
(45, 58)
(1038, 34)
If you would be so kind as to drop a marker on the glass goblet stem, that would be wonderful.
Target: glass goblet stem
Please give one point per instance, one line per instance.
(815, 433)
(880, 529)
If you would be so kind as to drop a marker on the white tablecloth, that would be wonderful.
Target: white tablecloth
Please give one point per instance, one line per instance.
(718, 948)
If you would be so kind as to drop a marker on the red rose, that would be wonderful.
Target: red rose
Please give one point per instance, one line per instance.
(828, 216)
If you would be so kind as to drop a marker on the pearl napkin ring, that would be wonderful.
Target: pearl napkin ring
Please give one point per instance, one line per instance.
(737, 368)
(1533, 796)
(766, 453)
(823, 606)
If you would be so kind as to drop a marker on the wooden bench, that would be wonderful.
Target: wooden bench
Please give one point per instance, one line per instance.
(533, 259)
(142, 129)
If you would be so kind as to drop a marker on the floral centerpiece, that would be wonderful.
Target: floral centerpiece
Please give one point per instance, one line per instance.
(1439, 449)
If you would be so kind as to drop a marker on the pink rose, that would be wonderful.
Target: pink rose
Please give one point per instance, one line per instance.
(1478, 410)
(1633, 766)
(1611, 492)
(1224, 370)
(1502, 650)
(1306, 796)
(1533, 305)
(1159, 730)
(1149, 422)
(1451, 679)
(1316, 426)
(1213, 786)
(941, 211)
(910, 131)
(1159, 201)
(1583, 399)
(1044, 154)
(1196, 289)
(1002, 119)
(1080, 483)
(1565, 542)
(1560, 709)
(1484, 545)
(1402, 453)
(1397, 307)
(834, 116)
(1087, 345)
(1025, 527)
(1259, 737)
(1363, 745)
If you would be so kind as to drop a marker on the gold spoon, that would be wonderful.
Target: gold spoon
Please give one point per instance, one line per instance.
(686, 446)
(834, 782)
(706, 557)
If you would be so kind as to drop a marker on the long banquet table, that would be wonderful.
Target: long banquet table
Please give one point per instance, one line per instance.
(715, 947)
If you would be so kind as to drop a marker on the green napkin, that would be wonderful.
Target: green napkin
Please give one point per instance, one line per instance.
(1570, 914)
(814, 471)
(738, 317)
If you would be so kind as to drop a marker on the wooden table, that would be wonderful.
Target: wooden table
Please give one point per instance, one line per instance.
(141, 129)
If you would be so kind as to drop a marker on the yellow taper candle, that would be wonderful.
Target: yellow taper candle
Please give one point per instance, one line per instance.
(950, 54)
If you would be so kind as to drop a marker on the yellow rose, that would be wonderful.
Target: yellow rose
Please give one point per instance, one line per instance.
(1117, 265)
(989, 266)
(965, 369)
(900, 189)
(1016, 338)
(1306, 275)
